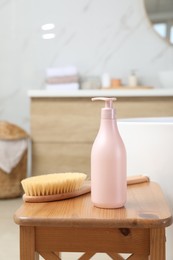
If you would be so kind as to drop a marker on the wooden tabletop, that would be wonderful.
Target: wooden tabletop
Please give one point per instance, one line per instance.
(145, 208)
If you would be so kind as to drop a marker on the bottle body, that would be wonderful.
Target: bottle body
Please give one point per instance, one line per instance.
(108, 167)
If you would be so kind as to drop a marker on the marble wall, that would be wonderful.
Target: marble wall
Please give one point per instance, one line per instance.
(95, 35)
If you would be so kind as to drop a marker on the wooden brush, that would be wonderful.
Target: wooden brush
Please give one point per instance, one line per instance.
(59, 186)
(55, 186)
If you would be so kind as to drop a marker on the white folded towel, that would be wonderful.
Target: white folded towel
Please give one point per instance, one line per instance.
(11, 153)
(61, 71)
(69, 86)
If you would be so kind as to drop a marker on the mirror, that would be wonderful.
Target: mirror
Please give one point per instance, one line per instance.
(160, 13)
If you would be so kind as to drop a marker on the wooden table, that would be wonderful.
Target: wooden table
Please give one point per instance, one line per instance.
(75, 225)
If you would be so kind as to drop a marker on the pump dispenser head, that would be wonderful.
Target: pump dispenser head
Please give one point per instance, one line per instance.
(108, 112)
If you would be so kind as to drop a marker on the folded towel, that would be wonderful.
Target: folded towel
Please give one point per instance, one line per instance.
(61, 71)
(69, 86)
(11, 153)
(62, 79)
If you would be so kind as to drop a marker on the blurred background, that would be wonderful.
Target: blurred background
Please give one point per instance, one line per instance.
(53, 54)
(97, 36)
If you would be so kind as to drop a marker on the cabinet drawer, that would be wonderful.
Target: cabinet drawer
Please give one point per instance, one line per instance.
(64, 120)
(77, 119)
(58, 157)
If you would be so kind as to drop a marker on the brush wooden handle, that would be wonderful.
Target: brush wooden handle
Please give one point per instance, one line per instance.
(137, 179)
(86, 188)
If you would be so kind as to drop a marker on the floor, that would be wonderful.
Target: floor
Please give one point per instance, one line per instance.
(9, 246)
(9, 234)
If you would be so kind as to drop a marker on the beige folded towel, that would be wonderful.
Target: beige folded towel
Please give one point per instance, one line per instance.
(62, 79)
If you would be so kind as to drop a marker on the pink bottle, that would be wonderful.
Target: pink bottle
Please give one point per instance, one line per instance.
(108, 161)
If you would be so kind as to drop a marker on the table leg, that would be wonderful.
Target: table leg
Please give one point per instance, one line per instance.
(137, 257)
(36, 256)
(87, 255)
(27, 244)
(157, 244)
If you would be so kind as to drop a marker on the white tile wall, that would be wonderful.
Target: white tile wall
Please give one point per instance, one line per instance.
(95, 35)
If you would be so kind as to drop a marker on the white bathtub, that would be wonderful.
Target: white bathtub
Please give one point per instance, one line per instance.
(149, 146)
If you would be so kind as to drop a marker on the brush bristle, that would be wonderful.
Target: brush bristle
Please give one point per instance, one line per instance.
(51, 184)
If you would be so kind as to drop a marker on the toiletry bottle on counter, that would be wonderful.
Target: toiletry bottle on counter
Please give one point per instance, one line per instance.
(108, 161)
(105, 81)
(133, 79)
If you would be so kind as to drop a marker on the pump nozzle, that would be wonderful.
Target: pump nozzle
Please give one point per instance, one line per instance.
(108, 112)
(108, 101)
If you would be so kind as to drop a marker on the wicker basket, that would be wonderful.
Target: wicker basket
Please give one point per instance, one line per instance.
(10, 184)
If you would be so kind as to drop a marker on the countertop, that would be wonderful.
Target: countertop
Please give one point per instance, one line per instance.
(100, 92)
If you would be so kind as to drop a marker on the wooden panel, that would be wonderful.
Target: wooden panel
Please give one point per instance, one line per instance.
(144, 107)
(157, 243)
(63, 120)
(77, 119)
(59, 157)
(98, 240)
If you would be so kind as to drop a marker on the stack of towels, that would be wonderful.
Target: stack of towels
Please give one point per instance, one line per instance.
(62, 78)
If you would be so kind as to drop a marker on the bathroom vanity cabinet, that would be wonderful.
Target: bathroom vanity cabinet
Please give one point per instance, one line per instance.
(64, 125)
